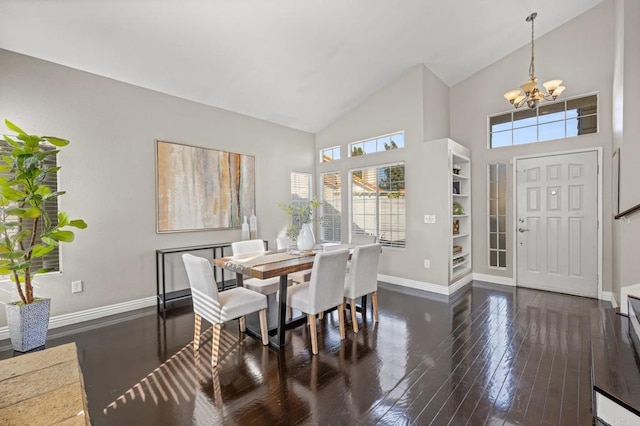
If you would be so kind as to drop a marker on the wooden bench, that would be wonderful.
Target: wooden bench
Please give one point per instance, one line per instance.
(44, 387)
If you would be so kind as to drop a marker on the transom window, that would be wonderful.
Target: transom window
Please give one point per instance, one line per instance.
(378, 203)
(379, 144)
(330, 154)
(565, 119)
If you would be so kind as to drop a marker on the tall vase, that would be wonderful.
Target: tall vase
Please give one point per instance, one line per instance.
(306, 240)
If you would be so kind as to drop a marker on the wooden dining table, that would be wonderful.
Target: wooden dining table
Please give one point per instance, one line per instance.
(270, 264)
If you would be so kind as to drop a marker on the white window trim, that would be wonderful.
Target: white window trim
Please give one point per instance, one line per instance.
(488, 130)
(350, 198)
(370, 139)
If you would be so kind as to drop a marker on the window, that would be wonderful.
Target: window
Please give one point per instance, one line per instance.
(558, 120)
(330, 154)
(331, 207)
(51, 260)
(379, 144)
(497, 189)
(300, 188)
(378, 203)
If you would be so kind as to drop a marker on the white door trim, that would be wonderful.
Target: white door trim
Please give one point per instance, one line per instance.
(514, 200)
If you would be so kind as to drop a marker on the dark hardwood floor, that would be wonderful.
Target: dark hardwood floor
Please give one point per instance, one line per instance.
(493, 356)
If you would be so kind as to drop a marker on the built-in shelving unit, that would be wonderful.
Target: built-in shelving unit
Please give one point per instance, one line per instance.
(460, 201)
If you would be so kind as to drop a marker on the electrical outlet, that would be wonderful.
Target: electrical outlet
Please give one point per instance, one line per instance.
(427, 264)
(76, 286)
(429, 218)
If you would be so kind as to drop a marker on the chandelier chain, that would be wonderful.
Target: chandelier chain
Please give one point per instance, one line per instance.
(531, 65)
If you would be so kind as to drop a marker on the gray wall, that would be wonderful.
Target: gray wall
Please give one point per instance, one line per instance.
(417, 103)
(626, 136)
(581, 53)
(108, 171)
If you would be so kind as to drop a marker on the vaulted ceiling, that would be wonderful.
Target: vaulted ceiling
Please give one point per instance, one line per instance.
(300, 63)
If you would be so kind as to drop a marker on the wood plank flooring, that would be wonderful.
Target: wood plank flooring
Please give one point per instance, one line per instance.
(494, 356)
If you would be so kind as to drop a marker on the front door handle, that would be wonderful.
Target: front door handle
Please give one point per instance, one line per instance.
(522, 230)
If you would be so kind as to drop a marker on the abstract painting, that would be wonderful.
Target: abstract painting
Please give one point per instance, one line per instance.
(201, 188)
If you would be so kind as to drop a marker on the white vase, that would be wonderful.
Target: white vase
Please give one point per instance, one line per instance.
(306, 240)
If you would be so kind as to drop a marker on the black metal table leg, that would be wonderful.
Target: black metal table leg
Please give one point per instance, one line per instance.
(282, 311)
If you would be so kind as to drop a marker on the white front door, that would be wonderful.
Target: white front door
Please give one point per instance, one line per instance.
(557, 223)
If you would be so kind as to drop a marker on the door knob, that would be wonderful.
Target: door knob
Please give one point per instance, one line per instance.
(522, 230)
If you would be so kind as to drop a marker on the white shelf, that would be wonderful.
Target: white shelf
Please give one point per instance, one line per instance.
(460, 184)
(458, 265)
(461, 254)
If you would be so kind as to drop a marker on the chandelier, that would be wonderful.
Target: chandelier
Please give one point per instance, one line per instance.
(529, 93)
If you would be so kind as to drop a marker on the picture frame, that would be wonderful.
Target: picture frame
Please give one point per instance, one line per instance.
(456, 187)
(199, 189)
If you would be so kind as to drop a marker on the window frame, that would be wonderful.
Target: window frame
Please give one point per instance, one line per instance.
(537, 124)
(499, 230)
(52, 180)
(330, 148)
(350, 201)
(374, 139)
(337, 218)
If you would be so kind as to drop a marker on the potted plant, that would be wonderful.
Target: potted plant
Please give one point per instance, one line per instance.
(299, 218)
(27, 232)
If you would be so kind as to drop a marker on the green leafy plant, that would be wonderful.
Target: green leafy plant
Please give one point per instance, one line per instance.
(299, 213)
(457, 208)
(26, 230)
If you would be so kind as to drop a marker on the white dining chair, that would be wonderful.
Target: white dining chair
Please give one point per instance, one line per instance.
(363, 239)
(268, 286)
(362, 279)
(324, 291)
(296, 277)
(220, 307)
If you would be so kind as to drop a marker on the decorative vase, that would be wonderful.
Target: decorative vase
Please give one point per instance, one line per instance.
(28, 324)
(306, 240)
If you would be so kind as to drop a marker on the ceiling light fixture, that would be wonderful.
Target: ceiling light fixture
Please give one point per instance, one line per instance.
(529, 93)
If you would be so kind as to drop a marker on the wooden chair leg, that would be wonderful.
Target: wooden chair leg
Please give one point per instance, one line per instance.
(341, 320)
(314, 335)
(321, 315)
(243, 325)
(263, 327)
(353, 315)
(374, 302)
(215, 345)
(196, 332)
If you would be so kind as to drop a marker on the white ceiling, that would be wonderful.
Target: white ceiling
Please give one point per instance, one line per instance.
(300, 63)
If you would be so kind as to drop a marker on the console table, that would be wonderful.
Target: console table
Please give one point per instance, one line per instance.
(161, 290)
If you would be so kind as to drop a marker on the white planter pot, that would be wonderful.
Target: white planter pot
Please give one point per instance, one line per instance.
(306, 240)
(28, 324)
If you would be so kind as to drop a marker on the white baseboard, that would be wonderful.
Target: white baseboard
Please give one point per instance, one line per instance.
(494, 279)
(91, 314)
(607, 296)
(425, 286)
